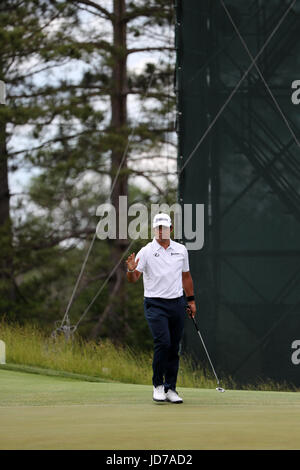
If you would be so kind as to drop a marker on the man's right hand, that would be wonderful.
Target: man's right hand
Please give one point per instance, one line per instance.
(131, 263)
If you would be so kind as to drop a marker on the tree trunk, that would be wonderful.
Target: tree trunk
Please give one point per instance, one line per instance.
(6, 259)
(117, 288)
(119, 107)
(4, 191)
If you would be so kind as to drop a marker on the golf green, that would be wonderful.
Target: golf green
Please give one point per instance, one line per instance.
(42, 412)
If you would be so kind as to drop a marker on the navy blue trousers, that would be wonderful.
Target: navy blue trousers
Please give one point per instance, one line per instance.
(165, 318)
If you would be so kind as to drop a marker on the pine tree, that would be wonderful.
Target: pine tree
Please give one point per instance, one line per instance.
(23, 35)
(127, 20)
(87, 144)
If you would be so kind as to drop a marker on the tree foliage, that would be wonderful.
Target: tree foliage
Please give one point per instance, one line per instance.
(89, 123)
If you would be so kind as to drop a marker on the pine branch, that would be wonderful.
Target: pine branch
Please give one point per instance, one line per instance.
(150, 49)
(51, 242)
(149, 179)
(157, 95)
(21, 78)
(52, 141)
(144, 12)
(96, 6)
(150, 157)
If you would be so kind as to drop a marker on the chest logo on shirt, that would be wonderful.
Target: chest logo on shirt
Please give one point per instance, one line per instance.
(156, 254)
(175, 254)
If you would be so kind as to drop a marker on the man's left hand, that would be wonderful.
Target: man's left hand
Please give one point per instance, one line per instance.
(192, 309)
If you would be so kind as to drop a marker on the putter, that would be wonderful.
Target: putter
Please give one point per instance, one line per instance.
(218, 388)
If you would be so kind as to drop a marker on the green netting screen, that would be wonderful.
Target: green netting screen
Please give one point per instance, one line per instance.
(238, 134)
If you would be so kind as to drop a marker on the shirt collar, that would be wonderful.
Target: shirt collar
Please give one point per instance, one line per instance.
(156, 246)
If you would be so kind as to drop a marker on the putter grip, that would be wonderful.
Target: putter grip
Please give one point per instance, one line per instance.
(189, 312)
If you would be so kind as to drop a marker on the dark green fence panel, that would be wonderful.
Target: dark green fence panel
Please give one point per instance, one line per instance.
(238, 153)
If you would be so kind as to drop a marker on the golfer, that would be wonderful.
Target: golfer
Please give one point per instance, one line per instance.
(165, 267)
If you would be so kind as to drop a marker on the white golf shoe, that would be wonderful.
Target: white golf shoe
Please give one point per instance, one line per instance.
(159, 393)
(173, 397)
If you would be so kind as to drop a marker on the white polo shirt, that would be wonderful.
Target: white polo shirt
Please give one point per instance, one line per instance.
(162, 269)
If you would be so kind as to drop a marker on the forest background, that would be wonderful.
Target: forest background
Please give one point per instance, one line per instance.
(89, 116)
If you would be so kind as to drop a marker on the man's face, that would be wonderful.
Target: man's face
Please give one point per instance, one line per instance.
(162, 233)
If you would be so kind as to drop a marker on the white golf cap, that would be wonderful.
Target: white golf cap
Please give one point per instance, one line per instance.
(162, 219)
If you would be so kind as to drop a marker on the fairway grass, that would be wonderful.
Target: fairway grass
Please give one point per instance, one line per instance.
(44, 412)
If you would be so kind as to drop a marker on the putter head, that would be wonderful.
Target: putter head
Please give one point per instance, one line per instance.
(220, 389)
